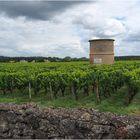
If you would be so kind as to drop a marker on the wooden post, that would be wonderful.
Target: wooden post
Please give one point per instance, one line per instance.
(74, 92)
(51, 92)
(30, 92)
(97, 92)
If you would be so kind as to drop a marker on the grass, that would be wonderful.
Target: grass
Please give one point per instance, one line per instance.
(115, 103)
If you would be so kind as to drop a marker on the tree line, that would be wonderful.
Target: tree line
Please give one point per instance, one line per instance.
(41, 59)
(57, 59)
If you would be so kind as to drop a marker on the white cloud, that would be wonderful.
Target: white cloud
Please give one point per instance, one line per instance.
(38, 38)
(67, 33)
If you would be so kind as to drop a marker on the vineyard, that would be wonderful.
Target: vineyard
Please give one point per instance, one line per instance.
(57, 80)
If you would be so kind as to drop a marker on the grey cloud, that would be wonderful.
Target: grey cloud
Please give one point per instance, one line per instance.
(132, 37)
(66, 50)
(42, 10)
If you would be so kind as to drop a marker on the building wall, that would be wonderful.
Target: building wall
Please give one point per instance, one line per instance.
(102, 51)
(106, 59)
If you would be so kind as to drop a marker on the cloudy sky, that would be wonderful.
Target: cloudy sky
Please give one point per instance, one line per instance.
(63, 28)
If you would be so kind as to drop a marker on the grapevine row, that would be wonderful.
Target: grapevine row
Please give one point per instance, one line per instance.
(103, 80)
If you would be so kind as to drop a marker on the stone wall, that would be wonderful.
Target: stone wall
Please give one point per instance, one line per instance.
(28, 121)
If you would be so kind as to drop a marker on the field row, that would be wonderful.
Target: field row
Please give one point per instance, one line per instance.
(102, 80)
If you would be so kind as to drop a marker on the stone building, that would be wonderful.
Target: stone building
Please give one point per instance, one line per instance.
(101, 51)
(23, 61)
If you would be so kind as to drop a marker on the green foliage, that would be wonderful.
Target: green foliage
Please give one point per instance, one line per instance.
(56, 79)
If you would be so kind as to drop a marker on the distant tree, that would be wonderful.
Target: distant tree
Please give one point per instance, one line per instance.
(67, 59)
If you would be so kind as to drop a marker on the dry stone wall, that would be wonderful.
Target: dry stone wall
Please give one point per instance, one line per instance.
(29, 121)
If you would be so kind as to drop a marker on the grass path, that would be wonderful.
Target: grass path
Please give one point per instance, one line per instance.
(115, 103)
